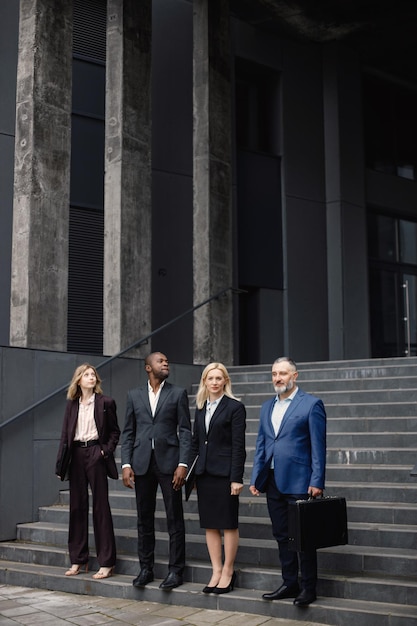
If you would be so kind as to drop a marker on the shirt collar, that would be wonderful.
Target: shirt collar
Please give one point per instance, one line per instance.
(90, 401)
(214, 402)
(290, 397)
(160, 387)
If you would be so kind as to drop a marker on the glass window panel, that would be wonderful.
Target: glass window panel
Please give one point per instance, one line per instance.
(385, 322)
(408, 242)
(382, 238)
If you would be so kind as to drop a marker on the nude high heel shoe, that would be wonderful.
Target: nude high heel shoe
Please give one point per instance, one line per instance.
(103, 572)
(76, 569)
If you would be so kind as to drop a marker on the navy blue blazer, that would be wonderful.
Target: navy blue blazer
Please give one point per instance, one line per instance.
(222, 450)
(299, 449)
(169, 429)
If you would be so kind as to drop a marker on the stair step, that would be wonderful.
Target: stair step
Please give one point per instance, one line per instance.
(326, 610)
(256, 508)
(257, 550)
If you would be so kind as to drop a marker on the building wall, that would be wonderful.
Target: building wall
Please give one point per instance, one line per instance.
(314, 305)
(9, 18)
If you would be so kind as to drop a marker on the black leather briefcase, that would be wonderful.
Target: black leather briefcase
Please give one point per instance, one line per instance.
(317, 523)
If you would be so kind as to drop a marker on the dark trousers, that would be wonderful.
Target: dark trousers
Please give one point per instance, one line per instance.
(88, 468)
(290, 561)
(146, 487)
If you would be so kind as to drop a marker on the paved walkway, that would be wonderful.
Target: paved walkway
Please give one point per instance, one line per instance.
(21, 605)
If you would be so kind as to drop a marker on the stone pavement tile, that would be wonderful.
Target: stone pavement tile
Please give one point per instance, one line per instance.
(5, 621)
(244, 619)
(133, 618)
(16, 610)
(279, 621)
(35, 618)
(130, 606)
(8, 604)
(175, 611)
(92, 619)
(205, 617)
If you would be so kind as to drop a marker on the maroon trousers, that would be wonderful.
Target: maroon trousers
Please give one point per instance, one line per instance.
(88, 468)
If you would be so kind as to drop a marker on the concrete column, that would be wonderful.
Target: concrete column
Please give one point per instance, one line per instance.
(38, 310)
(127, 205)
(212, 227)
(347, 261)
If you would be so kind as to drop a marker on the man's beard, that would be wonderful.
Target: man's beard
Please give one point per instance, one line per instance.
(283, 388)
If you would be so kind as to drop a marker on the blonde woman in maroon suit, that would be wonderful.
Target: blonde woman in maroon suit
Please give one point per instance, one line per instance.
(91, 431)
(219, 441)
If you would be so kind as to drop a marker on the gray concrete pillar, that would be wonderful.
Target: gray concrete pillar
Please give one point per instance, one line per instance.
(212, 227)
(127, 205)
(38, 309)
(347, 261)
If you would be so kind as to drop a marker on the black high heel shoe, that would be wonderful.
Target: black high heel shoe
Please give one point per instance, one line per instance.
(208, 589)
(227, 589)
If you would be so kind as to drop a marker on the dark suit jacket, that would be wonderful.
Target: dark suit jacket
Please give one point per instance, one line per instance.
(105, 417)
(299, 449)
(222, 450)
(169, 429)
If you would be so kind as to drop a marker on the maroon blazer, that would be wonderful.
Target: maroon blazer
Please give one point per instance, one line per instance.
(105, 417)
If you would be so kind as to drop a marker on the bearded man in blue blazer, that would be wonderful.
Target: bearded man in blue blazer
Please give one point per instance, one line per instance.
(289, 465)
(155, 447)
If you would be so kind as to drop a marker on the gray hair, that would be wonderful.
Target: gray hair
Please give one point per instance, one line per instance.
(286, 358)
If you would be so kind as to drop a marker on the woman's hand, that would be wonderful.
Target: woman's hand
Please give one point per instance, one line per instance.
(235, 488)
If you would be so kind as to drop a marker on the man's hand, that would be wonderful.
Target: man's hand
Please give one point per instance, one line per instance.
(128, 477)
(314, 492)
(254, 490)
(179, 477)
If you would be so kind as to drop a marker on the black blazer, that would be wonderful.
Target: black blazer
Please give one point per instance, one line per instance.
(105, 417)
(222, 450)
(170, 429)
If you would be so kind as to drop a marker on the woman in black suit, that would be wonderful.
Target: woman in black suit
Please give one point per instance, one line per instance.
(91, 432)
(219, 442)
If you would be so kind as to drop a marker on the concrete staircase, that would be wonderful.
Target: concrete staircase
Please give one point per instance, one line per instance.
(372, 447)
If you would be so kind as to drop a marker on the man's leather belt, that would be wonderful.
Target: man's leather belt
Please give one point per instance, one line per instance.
(86, 444)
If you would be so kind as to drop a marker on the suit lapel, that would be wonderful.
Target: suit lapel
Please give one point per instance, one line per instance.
(99, 412)
(269, 420)
(165, 391)
(74, 418)
(144, 396)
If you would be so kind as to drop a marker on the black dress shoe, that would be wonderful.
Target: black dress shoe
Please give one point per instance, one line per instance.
(208, 589)
(171, 581)
(144, 577)
(229, 587)
(305, 598)
(282, 592)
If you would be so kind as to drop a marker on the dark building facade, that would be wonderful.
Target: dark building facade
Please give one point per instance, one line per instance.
(156, 153)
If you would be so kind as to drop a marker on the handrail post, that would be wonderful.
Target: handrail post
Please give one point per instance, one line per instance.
(406, 319)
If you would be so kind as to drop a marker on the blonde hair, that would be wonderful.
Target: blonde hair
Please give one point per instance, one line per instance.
(74, 389)
(202, 393)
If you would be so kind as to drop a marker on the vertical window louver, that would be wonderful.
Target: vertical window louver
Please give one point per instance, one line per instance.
(86, 230)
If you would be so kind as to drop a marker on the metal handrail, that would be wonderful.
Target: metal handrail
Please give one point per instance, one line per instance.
(119, 354)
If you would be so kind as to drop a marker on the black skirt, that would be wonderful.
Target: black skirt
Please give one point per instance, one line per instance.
(216, 507)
